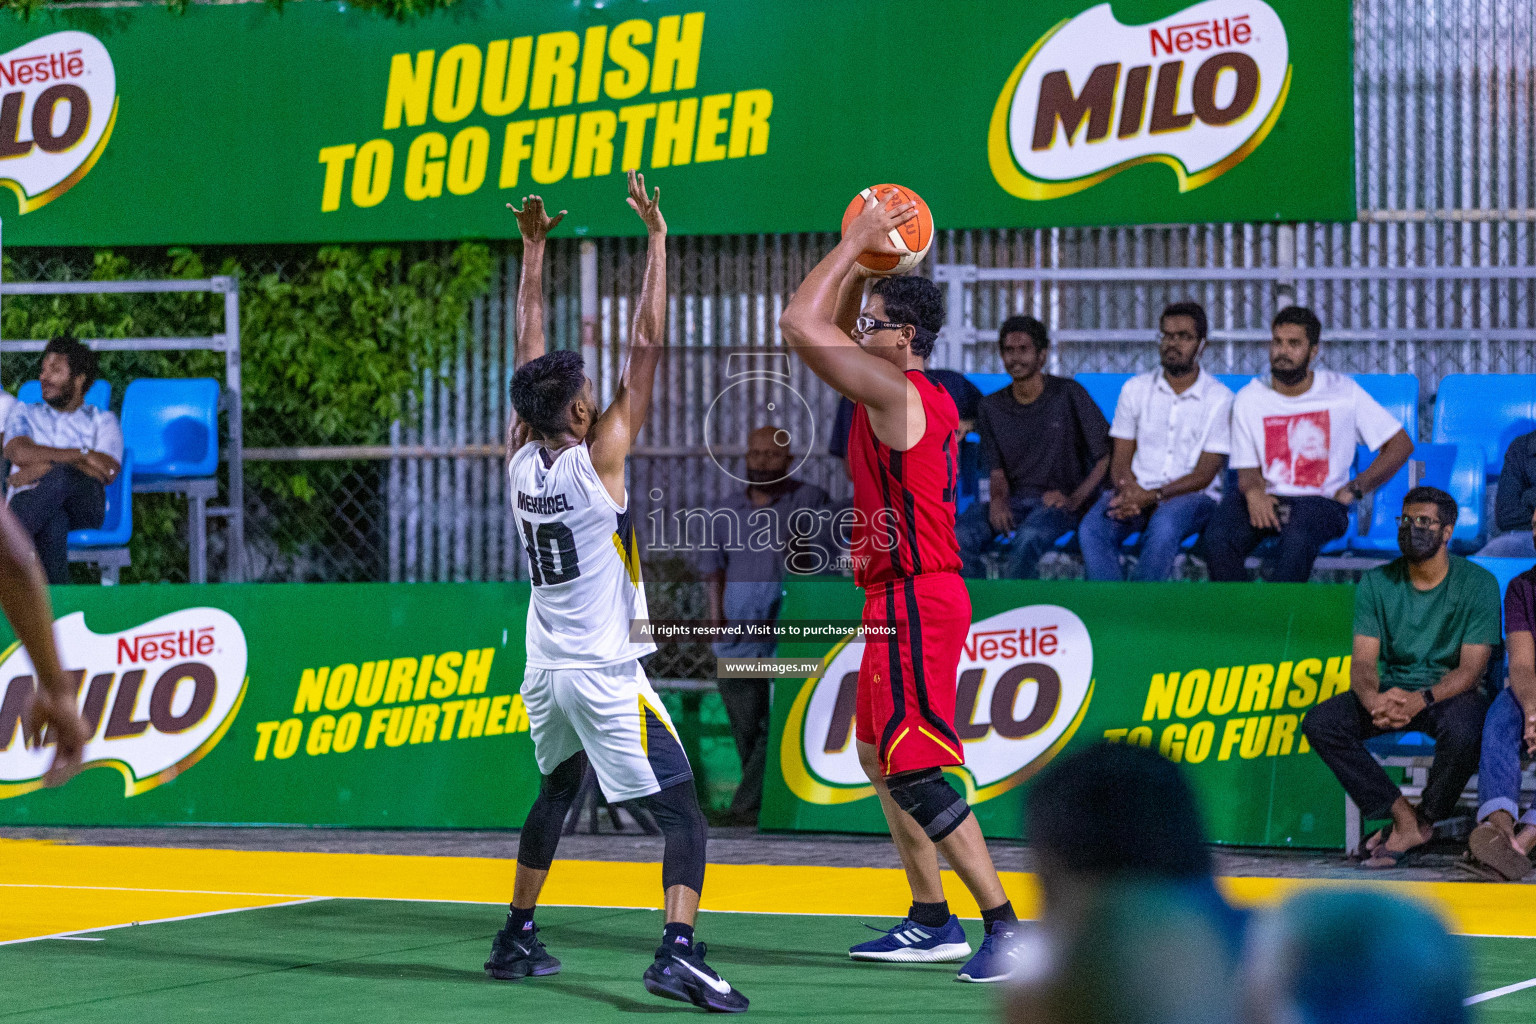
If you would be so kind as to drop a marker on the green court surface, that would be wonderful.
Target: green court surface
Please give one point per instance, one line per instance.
(384, 961)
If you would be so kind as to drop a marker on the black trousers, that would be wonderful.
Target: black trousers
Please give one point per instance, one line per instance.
(64, 499)
(747, 702)
(1339, 726)
(1230, 538)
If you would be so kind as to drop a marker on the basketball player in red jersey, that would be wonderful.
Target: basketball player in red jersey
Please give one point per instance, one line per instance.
(902, 455)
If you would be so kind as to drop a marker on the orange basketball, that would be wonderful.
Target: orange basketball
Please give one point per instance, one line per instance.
(910, 239)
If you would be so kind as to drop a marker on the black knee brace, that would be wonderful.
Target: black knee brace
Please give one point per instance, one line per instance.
(541, 832)
(931, 800)
(676, 810)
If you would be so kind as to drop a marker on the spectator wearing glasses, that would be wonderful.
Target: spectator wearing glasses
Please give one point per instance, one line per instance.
(1171, 436)
(1047, 447)
(63, 454)
(1425, 627)
(1293, 443)
(1509, 732)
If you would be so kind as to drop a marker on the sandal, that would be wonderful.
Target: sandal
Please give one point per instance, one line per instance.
(1372, 842)
(1490, 847)
(1384, 859)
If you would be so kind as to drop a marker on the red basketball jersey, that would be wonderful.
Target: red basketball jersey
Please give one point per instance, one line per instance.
(905, 501)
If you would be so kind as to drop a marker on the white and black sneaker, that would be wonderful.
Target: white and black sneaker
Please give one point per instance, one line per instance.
(521, 955)
(679, 972)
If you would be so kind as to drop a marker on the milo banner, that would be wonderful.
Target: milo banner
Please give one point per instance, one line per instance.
(241, 123)
(1216, 676)
(343, 704)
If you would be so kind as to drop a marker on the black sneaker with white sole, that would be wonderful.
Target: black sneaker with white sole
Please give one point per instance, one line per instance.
(680, 973)
(521, 955)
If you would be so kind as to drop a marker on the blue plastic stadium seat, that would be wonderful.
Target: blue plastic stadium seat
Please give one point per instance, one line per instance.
(1401, 744)
(117, 524)
(1446, 467)
(989, 383)
(1487, 411)
(172, 425)
(1104, 389)
(1235, 381)
(98, 394)
(1398, 393)
(1504, 569)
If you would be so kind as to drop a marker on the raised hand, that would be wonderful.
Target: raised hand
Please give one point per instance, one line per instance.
(532, 222)
(648, 209)
(871, 230)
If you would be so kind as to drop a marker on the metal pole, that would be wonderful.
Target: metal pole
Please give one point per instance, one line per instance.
(1285, 257)
(588, 275)
(236, 558)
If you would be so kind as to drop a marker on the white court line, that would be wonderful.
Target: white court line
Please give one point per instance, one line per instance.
(161, 920)
(135, 888)
(1483, 997)
(75, 938)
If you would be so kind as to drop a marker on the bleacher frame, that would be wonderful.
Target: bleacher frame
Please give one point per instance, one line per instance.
(232, 456)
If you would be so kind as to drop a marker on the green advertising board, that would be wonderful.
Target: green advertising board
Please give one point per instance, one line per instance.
(384, 705)
(298, 704)
(1216, 676)
(240, 123)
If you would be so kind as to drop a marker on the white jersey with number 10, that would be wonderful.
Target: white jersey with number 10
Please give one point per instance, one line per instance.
(582, 559)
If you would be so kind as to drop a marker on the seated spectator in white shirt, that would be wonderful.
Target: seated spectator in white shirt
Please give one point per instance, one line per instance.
(63, 454)
(8, 403)
(1171, 436)
(1293, 445)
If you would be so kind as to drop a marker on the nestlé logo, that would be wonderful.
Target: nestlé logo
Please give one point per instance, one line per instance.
(1024, 682)
(58, 103)
(1198, 91)
(156, 698)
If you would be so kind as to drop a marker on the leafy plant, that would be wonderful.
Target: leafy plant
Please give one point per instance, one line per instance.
(334, 346)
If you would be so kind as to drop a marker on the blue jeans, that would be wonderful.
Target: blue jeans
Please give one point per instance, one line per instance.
(1498, 769)
(1035, 529)
(1163, 531)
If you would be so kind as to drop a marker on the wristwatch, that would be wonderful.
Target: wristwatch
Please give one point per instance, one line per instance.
(1356, 490)
(1429, 696)
(1157, 495)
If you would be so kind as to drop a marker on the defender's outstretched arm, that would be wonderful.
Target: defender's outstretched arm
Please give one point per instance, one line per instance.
(811, 327)
(534, 225)
(54, 716)
(616, 429)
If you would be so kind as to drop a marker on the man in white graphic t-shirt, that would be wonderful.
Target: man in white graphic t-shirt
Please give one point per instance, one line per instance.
(1293, 446)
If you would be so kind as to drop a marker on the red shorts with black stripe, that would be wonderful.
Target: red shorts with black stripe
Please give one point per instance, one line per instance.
(906, 696)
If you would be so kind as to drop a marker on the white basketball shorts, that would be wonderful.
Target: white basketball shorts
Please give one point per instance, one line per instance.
(615, 716)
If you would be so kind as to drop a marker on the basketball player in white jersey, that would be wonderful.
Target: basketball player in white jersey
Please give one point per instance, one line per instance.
(587, 697)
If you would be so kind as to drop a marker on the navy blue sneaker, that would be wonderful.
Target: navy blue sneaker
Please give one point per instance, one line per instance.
(913, 943)
(998, 956)
(680, 973)
(520, 956)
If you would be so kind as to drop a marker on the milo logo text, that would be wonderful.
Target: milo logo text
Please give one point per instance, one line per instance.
(58, 103)
(1197, 91)
(156, 698)
(1023, 684)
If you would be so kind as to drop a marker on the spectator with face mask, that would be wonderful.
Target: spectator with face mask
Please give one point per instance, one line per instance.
(1425, 627)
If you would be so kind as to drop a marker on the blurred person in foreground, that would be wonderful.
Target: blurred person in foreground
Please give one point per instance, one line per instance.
(51, 715)
(1112, 812)
(1132, 928)
(1353, 957)
(1138, 951)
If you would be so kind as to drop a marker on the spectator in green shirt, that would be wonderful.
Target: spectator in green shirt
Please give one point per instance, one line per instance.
(1425, 627)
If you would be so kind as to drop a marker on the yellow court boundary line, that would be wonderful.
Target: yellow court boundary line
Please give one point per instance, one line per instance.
(1470, 908)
